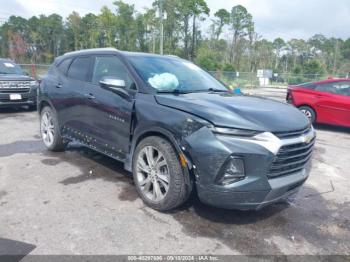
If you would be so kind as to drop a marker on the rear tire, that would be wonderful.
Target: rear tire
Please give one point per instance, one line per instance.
(309, 113)
(158, 175)
(50, 131)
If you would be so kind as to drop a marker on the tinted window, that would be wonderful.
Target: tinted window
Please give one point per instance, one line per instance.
(79, 69)
(328, 87)
(63, 66)
(342, 88)
(338, 88)
(111, 66)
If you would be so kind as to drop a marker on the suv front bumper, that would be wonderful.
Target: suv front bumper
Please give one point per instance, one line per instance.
(27, 99)
(208, 153)
(280, 189)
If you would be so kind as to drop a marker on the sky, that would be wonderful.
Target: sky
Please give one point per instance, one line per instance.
(273, 18)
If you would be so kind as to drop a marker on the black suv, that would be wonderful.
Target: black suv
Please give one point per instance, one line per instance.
(175, 128)
(16, 87)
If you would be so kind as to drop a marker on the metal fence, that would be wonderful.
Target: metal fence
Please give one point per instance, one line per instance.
(35, 70)
(233, 79)
(248, 79)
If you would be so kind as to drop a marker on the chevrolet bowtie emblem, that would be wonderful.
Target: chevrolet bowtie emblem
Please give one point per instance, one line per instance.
(308, 139)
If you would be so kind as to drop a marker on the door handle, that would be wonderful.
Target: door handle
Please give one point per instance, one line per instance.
(89, 96)
(59, 85)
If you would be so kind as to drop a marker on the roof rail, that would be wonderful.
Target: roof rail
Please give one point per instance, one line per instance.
(92, 49)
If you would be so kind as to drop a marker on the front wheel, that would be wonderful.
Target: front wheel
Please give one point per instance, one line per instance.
(309, 113)
(49, 130)
(158, 175)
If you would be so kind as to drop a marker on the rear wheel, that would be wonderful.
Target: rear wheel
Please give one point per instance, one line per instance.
(49, 130)
(158, 175)
(309, 113)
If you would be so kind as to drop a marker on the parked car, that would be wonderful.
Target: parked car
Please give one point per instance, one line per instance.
(175, 128)
(326, 102)
(16, 87)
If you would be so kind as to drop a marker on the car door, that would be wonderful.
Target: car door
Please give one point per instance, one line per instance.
(332, 107)
(110, 113)
(71, 113)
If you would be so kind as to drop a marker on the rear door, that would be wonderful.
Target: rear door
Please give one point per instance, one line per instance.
(110, 114)
(333, 105)
(72, 102)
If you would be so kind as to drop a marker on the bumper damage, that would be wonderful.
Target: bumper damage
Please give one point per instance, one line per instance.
(208, 154)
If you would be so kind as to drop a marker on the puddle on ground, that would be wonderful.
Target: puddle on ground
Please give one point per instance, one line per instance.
(2, 194)
(21, 147)
(309, 218)
(247, 231)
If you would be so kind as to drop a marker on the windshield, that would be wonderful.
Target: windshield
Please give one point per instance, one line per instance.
(9, 68)
(168, 74)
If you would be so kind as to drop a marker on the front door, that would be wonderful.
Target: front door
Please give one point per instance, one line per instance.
(333, 103)
(110, 114)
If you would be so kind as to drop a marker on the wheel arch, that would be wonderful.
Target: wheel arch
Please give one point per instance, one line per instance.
(167, 135)
(307, 105)
(44, 103)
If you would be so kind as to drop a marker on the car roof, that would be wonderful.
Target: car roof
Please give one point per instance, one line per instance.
(96, 51)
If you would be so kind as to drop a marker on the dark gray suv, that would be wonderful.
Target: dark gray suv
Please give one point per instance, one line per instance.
(16, 87)
(176, 128)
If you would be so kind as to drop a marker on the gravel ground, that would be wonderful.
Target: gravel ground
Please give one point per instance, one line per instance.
(80, 202)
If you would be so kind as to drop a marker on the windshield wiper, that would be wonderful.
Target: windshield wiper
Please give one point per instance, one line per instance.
(217, 90)
(174, 91)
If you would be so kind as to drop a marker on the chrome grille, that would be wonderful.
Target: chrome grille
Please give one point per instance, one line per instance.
(291, 159)
(14, 86)
(291, 134)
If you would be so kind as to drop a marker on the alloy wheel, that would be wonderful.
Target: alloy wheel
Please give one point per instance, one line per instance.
(152, 174)
(307, 113)
(47, 129)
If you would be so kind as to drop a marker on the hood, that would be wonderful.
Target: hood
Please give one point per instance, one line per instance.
(5, 77)
(238, 111)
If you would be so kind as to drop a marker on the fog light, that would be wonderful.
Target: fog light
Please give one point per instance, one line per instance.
(233, 171)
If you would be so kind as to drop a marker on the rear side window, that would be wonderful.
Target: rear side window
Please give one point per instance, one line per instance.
(338, 88)
(79, 69)
(63, 66)
(327, 87)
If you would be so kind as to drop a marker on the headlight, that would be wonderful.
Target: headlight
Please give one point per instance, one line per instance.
(233, 171)
(265, 139)
(33, 83)
(234, 131)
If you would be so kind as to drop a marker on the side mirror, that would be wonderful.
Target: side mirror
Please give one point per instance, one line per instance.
(112, 83)
(117, 86)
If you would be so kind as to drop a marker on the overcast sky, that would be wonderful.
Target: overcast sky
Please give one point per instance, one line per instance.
(273, 18)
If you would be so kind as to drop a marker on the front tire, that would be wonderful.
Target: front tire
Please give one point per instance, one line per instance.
(49, 130)
(158, 176)
(309, 113)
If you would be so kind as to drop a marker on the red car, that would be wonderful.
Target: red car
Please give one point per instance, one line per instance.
(326, 102)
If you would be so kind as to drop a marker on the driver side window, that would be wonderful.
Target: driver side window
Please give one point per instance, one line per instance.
(111, 66)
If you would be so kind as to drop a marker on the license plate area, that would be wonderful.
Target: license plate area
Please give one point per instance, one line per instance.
(15, 97)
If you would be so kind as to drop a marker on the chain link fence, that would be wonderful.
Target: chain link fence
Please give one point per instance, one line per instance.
(229, 78)
(36, 71)
(249, 80)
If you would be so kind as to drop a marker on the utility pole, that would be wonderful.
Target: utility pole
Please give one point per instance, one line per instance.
(161, 28)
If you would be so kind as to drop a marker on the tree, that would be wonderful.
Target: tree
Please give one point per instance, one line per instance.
(223, 18)
(241, 20)
(278, 45)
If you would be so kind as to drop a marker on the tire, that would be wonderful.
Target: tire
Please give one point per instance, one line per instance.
(148, 177)
(309, 113)
(50, 131)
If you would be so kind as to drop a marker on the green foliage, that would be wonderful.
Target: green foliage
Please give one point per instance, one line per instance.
(232, 43)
